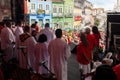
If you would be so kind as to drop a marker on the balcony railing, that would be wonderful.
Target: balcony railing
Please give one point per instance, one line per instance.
(69, 15)
(32, 11)
(47, 12)
(60, 14)
(40, 11)
(55, 14)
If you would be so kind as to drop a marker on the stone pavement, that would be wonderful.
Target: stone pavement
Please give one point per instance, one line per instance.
(73, 68)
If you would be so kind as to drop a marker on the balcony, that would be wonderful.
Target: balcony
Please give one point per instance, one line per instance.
(32, 11)
(69, 15)
(60, 14)
(47, 12)
(55, 15)
(40, 11)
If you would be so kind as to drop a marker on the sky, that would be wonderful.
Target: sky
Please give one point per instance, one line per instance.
(107, 4)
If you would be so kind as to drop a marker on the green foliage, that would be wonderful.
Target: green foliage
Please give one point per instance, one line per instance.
(97, 22)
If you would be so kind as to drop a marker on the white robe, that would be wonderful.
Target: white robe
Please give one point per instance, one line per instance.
(27, 61)
(50, 35)
(59, 53)
(18, 32)
(41, 54)
(7, 37)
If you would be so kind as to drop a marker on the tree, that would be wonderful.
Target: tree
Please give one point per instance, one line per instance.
(97, 22)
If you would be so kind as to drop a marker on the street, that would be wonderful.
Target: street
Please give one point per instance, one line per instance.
(73, 70)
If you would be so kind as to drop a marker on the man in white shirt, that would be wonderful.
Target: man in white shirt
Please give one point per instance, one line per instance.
(48, 32)
(19, 29)
(7, 40)
(59, 52)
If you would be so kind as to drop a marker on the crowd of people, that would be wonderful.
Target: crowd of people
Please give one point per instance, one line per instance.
(90, 62)
(33, 47)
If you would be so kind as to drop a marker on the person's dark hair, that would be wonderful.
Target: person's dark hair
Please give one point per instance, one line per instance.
(8, 24)
(58, 33)
(87, 30)
(104, 72)
(33, 26)
(26, 28)
(47, 25)
(83, 38)
(19, 23)
(95, 30)
(34, 33)
(42, 38)
(36, 22)
(2, 24)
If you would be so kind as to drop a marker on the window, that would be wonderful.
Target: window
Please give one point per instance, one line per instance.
(40, 23)
(65, 24)
(60, 24)
(33, 21)
(32, 6)
(54, 9)
(67, 9)
(47, 7)
(40, 6)
(47, 21)
(71, 9)
(60, 9)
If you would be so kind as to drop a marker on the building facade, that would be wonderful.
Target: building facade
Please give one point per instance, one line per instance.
(57, 13)
(96, 11)
(68, 13)
(62, 13)
(117, 6)
(5, 9)
(87, 16)
(12, 10)
(78, 11)
(40, 11)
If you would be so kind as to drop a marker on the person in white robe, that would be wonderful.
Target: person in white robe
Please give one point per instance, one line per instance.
(19, 29)
(18, 32)
(59, 52)
(26, 49)
(48, 32)
(7, 41)
(41, 55)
